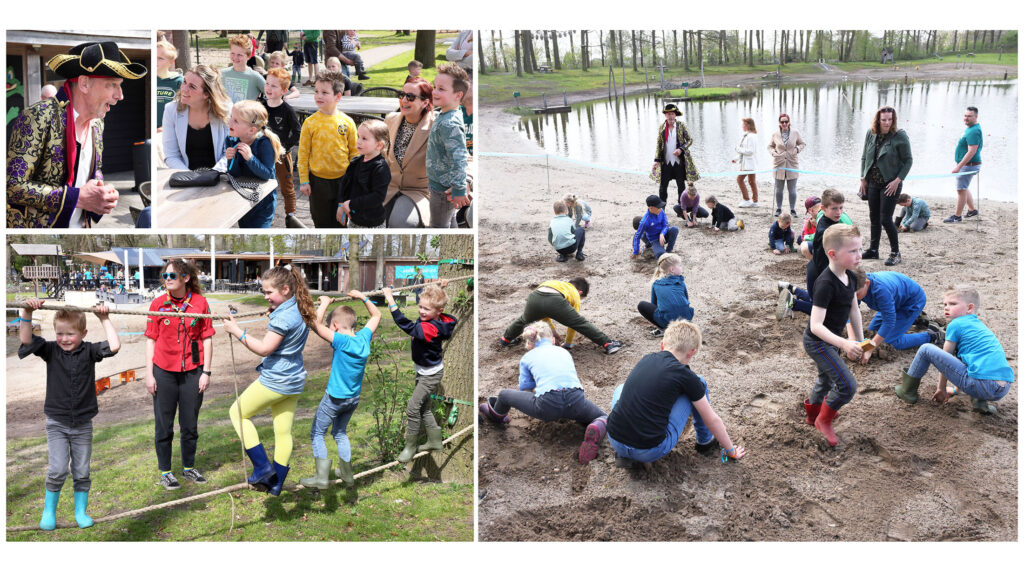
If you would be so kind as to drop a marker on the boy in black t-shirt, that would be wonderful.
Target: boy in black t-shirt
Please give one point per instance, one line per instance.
(792, 298)
(835, 301)
(650, 410)
(70, 401)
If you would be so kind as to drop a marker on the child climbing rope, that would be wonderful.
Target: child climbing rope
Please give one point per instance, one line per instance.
(282, 375)
(428, 332)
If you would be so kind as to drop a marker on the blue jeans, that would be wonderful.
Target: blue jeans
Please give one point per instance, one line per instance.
(338, 411)
(779, 244)
(956, 372)
(681, 411)
(904, 319)
(967, 173)
(261, 215)
(670, 241)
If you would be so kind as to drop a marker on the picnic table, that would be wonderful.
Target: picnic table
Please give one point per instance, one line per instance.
(353, 105)
(219, 206)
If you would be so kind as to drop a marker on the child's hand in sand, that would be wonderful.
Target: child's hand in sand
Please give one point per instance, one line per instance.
(776, 251)
(736, 454)
(864, 359)
(941, 395)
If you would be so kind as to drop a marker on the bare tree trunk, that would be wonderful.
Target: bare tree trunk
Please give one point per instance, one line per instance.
(675, 48)
(722, 57)
(584, 50)
(353, 261)
(700, 48)
(378, 249)
(686, 51)
(501, 42)
(622, 51)
(425, 47)
(554, 44)
(547, 46)
(180, 39)
(604, 60)
(632, 36)
(519, 55)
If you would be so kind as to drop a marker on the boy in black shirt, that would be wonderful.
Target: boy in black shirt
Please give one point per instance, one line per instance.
(721, 216)
(792, 298)
(835, 301)
(70, 401)
(283, 122)
(650, 410)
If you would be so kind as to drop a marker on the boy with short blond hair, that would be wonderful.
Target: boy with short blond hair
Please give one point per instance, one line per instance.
(341, 397)
(447, 156)
(835, 302)
(277, 60)
(428, 334)
(415, 67)
(327, 144)
(564, 235)
(650, 410)
(70, 402)
(239, 80)
(972, 358)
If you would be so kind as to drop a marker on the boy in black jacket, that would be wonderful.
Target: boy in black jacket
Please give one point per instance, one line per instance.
(433, 327)
(721, 217)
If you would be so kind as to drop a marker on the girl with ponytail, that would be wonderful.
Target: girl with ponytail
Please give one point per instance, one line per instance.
(282, 375)
(669, 298)
(252, 150)
(549, 390)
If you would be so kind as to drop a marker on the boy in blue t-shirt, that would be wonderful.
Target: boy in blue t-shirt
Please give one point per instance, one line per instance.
(351, 350)
(972, 358)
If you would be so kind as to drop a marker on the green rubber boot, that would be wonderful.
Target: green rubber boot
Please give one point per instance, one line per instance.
(434, 441)
(322, 479)
(344, 472)
(982, 406)
(907, 391)
(410, 448)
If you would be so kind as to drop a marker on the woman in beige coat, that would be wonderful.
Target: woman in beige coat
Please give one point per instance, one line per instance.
(408, 198)
(785, 145)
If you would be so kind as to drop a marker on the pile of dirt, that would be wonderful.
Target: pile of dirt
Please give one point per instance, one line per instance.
(900, 472)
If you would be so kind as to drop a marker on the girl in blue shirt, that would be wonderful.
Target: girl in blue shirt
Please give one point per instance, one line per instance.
(252, 150)
(669, 298)
(282, 375)
(548, 370)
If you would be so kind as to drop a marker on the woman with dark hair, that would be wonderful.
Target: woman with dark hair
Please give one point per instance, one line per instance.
(178, 355)
(196, 123)
(785, 145)
(884, 164)
(408, 197)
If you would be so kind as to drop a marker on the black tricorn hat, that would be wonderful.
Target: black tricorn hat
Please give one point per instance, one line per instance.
(672, 107)
(103, 59)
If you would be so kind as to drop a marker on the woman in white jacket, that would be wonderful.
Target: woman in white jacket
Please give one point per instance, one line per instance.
(195, 123)
(747, 162)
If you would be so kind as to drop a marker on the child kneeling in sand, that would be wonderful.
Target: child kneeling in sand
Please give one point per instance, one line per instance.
(70, 401)
(897, 301)
(669, 298)
(972, 358)
(549, 372)
(915, 214)
(721, 216)
(564, 235)
(650, 410)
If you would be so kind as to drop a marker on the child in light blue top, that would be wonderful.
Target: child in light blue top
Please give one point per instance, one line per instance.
(548, 370)
(282, 375)
(915, 214)
(447, 156)
(972, 359)
(351, 350)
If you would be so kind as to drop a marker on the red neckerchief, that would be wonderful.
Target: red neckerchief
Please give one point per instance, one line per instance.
(70, 138)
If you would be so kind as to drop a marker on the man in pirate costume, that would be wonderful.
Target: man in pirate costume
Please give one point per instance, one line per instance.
(54, 155)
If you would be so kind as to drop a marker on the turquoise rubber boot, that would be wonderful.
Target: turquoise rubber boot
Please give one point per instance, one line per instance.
(81, 503)
(49, 520)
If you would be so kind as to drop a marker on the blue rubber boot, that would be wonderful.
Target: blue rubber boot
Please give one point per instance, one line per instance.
(281, 471)
(263, 477)
(49, 520)
(81, 503)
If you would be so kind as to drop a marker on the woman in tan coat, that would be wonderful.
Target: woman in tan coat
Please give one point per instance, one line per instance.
(408, 198)
(785, 145)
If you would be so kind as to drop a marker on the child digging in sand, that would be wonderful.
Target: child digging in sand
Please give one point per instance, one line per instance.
(669, 298)
(565, 236)
(835, 301)
(972, 359)
(650, 410)
(549, 390)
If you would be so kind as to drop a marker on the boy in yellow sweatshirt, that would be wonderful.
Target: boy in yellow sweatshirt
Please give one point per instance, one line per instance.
(327, 143)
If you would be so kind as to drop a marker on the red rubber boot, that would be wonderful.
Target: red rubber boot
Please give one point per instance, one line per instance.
(824, 424)
(812, 411)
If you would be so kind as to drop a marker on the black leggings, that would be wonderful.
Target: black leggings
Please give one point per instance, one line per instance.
(176, 392)
(647, 310)
(881, 208)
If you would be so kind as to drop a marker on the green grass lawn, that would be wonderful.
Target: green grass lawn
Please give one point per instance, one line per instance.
(386, 506)
(699, 93)
(392, 72)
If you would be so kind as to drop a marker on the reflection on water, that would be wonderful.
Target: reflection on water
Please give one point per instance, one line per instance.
(831, 118)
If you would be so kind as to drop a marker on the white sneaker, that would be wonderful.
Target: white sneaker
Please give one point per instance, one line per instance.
(745, 204)
(753, 204)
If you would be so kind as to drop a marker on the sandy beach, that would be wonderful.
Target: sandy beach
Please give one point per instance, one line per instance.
(900, 472)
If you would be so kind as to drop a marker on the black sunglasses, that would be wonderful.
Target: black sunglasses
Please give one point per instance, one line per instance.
(409, 96)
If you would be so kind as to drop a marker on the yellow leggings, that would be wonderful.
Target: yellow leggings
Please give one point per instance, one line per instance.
(256, 398)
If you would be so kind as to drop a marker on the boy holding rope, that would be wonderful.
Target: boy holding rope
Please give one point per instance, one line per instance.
(70, 401)
(351, 350)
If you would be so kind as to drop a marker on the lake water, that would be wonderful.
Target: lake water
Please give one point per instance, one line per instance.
(831, 118)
